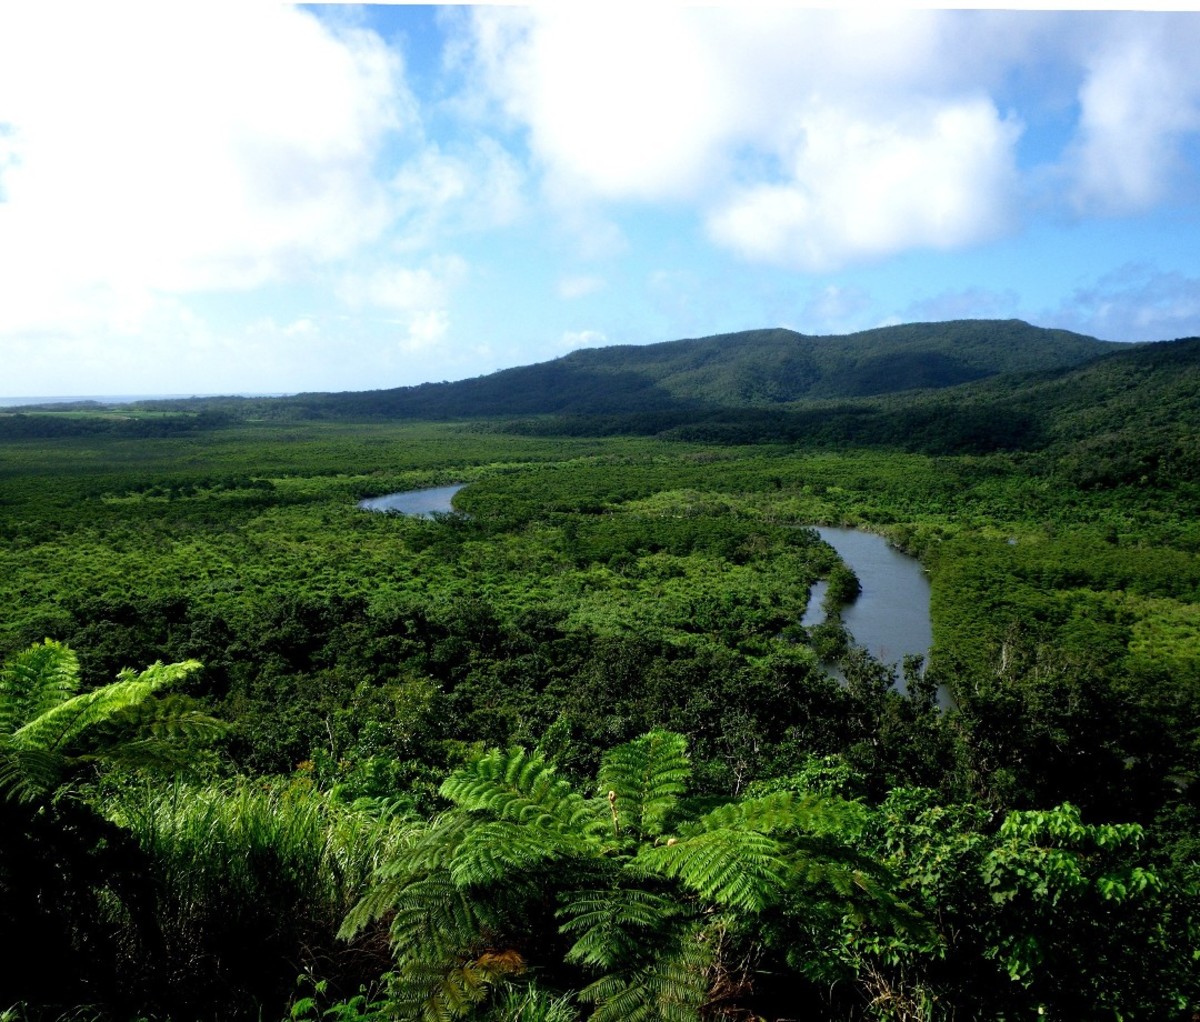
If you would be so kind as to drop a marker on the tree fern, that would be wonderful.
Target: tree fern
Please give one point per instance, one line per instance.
(521, 788)
(50, 729)
(644, 779)
(34, 681)
(671, 986)
(736, 868)
(652, 917)
(611, 924)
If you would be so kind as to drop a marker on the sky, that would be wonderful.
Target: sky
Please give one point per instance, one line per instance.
(264, 198)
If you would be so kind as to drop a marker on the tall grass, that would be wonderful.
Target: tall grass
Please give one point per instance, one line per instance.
(253, 879)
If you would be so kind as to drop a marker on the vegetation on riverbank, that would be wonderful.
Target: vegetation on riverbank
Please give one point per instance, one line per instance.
(425, 718)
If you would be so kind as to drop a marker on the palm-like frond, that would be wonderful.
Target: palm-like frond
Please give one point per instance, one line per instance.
(47, 729)
(60, 725)
(741, 869)
(784, 811)
(522, 788)
(27, 773)
(651, 916)
(645, 778)
(611, 924)
(669, 987)
(494, 850)
(34, 681)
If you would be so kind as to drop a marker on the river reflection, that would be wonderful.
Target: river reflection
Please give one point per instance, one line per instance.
(421, 503)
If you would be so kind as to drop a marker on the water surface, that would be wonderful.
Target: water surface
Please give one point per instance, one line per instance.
(421, 503)
(890, 618)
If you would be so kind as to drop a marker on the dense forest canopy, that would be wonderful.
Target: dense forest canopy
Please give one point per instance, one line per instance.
(567, 752)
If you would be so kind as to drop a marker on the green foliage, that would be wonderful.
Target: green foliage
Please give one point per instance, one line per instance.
(643, 781)
(49, 730)
(656, 916)
(1043, 915)
(252, 881)
(593, 589)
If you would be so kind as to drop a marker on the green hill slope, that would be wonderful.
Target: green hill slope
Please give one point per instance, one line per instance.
(754, 369)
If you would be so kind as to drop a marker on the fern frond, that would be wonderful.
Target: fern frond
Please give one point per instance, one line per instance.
(423, 852)
(491, 851)
(437, 921)
(56, 728)
(26, 774)
(522, 788)
(34, 681)
(647, 777)
(611, 924)
(738, 868)
(786, 811)
(672, 987)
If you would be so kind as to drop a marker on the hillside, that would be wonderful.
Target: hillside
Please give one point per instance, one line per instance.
(688, 378)
(752, 369)
(1131, 409)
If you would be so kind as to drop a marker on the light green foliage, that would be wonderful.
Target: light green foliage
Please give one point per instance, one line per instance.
(594, 589)
(49, 730)
(643, 781)
(252, 880)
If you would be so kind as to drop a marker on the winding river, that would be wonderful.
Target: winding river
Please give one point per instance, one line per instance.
(890, 617)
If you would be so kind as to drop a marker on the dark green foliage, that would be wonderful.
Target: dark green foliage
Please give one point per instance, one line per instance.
(661, 902)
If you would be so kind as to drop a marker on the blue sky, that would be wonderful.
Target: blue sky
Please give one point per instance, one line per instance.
(229, 198)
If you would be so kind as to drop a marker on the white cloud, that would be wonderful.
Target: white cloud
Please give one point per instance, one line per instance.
(570, 288)
(621, 106)
(416, 299)
(169, 148)
(939, 176)
(834, 309)
(437, 192)
(425, 329)
(733, 112)
(967, 303)
(1136, 302)
(403, 288)
(1139, 100)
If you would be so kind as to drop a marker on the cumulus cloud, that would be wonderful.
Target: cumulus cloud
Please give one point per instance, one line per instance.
(168, 148)
(735, 113)
(618, 108)
(405, 288)
(416, 299)
(834, 309)
(1137, 302)
(570, 288)
(938, 177)
(966, 303)
(437, 192)
(1139, 100)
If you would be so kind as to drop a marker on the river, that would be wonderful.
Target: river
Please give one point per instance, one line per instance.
(421, 503)
(890, 617)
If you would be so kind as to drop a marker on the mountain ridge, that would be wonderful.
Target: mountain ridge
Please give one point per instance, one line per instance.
(752, 368)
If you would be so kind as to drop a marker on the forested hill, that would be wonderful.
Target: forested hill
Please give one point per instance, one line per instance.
(1126, 414)
(752, 369)
(757, 368)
